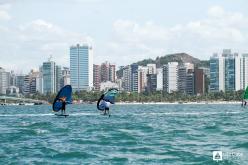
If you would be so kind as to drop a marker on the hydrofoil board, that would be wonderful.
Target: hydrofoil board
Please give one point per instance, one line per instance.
(63, 115)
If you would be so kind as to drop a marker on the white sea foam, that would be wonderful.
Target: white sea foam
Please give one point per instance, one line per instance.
(41, 131)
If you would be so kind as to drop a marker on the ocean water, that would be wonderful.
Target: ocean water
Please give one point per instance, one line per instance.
(134, 134)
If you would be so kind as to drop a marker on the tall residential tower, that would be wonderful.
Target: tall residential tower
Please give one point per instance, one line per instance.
(49, 77)
(81, 65)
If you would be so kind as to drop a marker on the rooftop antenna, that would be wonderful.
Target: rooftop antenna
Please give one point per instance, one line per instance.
(50, 58)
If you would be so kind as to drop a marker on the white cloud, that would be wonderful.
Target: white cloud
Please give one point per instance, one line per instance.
(221, 29)
(40, 25)
(32, 43)
(4, 15)
(148, 31)
(216, 11)
(5, 6)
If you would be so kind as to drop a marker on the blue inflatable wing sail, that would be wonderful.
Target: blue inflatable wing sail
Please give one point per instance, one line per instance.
(108, 96)
(101, 103)
(101, 106)
(64, 92)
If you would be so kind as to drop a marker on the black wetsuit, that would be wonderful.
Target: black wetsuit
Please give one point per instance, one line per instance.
(63, 107)
(106, 109)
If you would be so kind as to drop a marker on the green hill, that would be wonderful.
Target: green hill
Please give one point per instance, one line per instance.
(178, 57)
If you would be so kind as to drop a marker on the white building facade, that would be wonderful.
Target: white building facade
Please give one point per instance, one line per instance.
(228, 71)
(244, 71)
(170, 74)
(4, 81)
(159, 79)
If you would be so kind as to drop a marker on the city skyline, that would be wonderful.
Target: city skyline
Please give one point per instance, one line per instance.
(123, 37)
(37, 68)
(226, 72)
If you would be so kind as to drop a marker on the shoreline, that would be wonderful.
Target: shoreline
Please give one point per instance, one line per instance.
(177, 103)
(143, 103)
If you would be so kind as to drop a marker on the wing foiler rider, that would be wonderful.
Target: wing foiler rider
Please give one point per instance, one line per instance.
(63, 100)
(106, 105)
(106, 110)
(244, 102)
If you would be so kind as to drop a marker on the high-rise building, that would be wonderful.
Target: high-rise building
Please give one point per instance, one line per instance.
(12, 78)
(229, 70)
(244, 71)
(39, 81)
(26, 85)
(96, 77)
(170, 74)
(119, 73)
(141, 86)
(65, 76)
(30, 83)
(58, 77)
(112, 73)
(159, 79)
(134, 77)
(237, 72)
(142, 78)
(221, 73)
(4, 81)
(186, 78)
(33, 83)
(151, 83)
(151, 68)
(182, 76)
(190, 82)
(105, 72)
(81, 67)
(226, 72)
(127, 78)
(217, 73)
(199, 81)
(206, 71)
(20, 82)
(49, 77)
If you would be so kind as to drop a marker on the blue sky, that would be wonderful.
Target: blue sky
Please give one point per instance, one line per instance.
(121, 32)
